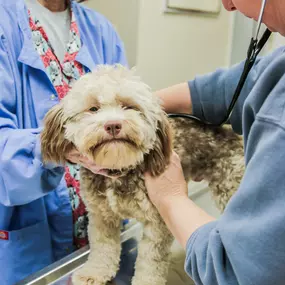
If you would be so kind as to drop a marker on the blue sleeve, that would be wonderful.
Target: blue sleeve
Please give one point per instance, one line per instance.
(246, 245)
(211, 94)
(23, 177)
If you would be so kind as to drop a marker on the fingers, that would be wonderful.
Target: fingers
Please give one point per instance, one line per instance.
(75, 157)
(89, 164)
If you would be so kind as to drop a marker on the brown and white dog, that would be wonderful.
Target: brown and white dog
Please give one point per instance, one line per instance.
(111, 116)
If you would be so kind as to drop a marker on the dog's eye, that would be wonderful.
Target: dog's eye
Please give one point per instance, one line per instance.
(130, 108)
(93, 109)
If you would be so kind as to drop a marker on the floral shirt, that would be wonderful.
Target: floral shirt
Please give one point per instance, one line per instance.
(62, 75)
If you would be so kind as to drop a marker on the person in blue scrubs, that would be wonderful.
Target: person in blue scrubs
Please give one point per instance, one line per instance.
(36, 222)
(246, 245)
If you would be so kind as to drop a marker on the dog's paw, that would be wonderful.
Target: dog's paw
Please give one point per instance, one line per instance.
(84, 276)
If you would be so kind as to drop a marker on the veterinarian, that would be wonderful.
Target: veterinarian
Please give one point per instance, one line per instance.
(246, 245)
(44, 46)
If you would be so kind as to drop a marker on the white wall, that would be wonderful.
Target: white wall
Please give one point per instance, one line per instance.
(175, 47)
(124, 16)
(277, 41)
(168, 48)
(242, 31)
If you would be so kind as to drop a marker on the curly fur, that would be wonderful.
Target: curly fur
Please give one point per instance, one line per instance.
(145, 142)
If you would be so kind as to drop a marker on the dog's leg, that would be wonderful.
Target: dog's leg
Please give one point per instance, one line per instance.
(153, 255)
(104, 238)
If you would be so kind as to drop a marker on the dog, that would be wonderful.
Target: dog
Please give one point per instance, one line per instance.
(111, 116)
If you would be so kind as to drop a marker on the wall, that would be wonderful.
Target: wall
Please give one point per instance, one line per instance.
(124, 16)
(242, 31)
(277, 41)
(168, 48)
(175, 47)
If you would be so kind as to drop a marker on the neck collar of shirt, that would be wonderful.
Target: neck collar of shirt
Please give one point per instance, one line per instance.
(29, 55)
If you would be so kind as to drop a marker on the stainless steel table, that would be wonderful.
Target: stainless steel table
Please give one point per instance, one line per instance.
(60, 272)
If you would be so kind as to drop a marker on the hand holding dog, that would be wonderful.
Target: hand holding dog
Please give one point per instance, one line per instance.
(169, 185)
(168, 192)
(76, 157)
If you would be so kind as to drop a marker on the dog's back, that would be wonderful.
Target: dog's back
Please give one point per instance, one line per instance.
(214, 154)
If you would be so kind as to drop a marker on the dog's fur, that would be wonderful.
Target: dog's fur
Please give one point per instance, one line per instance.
(145, 143)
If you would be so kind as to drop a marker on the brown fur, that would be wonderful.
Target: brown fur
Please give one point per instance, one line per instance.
(146, 142)
(158, 158)
(53, 143)
(212, 153)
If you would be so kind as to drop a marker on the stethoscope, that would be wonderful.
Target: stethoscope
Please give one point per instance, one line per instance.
(253, 50)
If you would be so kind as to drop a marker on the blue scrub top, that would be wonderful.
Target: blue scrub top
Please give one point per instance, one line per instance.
(35, 212)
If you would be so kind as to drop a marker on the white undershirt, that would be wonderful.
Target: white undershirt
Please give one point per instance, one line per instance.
(55, 24)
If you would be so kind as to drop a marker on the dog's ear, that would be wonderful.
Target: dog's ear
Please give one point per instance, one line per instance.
(54, 146)
(159, 157)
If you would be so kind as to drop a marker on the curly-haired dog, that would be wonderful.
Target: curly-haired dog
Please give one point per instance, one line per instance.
(111, 116)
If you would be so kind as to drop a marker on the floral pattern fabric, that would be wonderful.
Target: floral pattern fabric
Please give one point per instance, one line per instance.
(62, 75)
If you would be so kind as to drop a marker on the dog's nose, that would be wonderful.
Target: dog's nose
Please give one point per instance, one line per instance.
(113, 128)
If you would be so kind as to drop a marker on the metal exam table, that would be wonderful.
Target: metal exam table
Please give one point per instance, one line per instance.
(60, 272)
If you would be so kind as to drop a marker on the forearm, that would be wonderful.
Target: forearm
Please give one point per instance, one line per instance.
(23, 177)
(183, 217)
(176, 99)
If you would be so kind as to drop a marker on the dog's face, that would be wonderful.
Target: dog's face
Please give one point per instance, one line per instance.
(113, 118)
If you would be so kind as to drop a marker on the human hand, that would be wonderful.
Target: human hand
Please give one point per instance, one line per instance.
(169, 185)
(76, 157)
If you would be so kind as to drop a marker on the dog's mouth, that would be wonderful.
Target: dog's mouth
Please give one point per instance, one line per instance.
(112, 171)
(112, 141)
